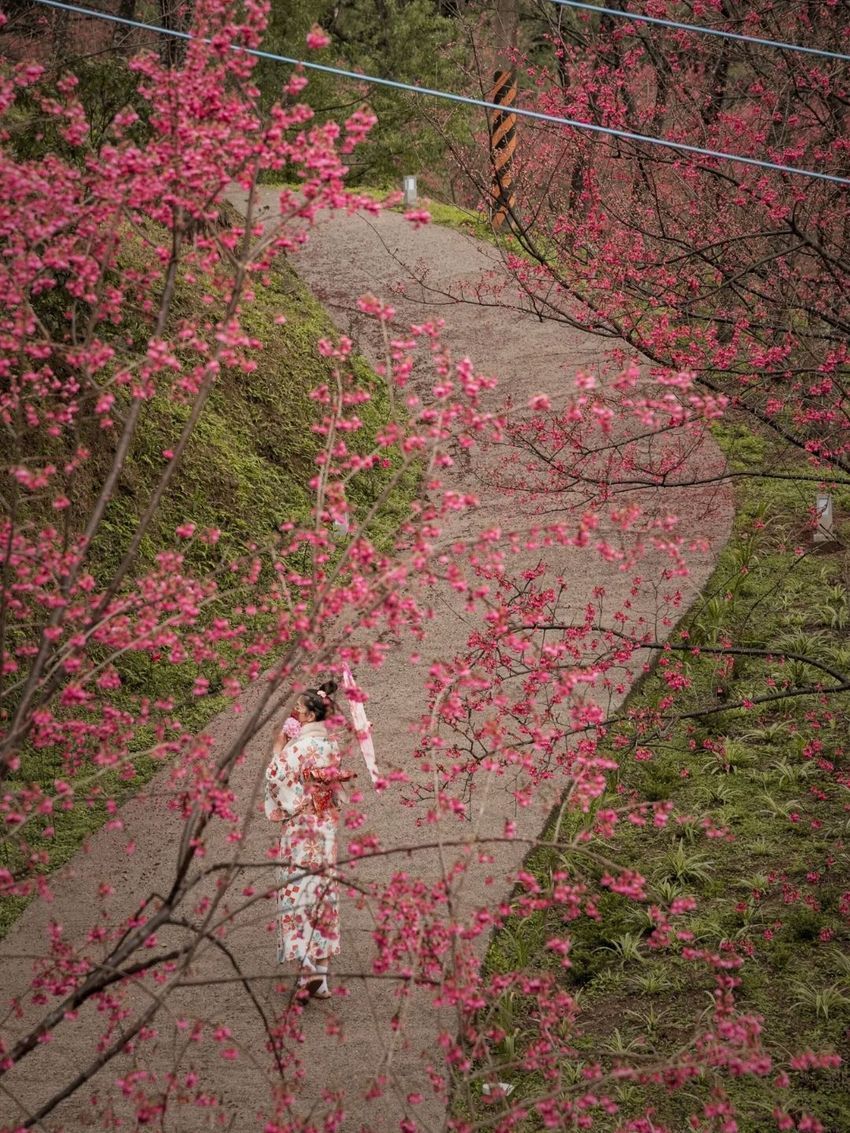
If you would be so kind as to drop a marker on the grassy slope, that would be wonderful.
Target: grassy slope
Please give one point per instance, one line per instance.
(245, 471)
(772, 885)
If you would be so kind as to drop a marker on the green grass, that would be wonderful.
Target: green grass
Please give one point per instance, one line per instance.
(756, 774)
(245, 471)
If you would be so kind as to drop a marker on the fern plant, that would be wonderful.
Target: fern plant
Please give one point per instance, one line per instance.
(789, 774)
(777, 809)
(649, 1019)
(682, 866)
(768, 733)
(626, 947)
(654, 981)
(824, 1001)
(716, 793)
(668, 889)
(618, 1044)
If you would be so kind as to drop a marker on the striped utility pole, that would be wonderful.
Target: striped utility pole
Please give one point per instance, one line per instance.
(502, 146)
(502, 122)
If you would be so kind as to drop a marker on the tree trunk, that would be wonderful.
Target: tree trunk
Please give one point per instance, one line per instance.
(122, 36)
(171, 49)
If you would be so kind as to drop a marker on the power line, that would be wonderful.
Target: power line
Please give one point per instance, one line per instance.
(465, 100)
(637, 17)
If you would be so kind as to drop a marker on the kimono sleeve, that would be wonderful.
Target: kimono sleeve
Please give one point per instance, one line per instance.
(285, 794)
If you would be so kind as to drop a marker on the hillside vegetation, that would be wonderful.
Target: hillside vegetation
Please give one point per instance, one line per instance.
(758, 835)
(245, 472)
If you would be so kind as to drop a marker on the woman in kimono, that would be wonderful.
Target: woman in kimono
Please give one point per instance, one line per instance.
(302, 788)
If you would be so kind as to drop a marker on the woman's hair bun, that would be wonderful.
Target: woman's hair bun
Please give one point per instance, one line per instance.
(319, 700)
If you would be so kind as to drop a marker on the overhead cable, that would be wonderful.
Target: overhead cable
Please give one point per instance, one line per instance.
(638, 17)
(449, 96)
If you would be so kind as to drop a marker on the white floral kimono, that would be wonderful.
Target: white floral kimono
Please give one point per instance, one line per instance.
(308, 900)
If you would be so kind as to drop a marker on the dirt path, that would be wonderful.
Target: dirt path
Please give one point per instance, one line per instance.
(346, 257)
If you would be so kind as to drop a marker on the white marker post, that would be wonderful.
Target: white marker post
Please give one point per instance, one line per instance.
(824, 531)
(410, 194)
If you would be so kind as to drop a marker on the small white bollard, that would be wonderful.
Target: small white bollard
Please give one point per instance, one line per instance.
(823, 508)
(497, 1089)
(410, 194)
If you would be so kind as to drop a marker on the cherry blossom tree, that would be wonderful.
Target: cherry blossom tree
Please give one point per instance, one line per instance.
(733, 272)
(511, 723)
(722, 277)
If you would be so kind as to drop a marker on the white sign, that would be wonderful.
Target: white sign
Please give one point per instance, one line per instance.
(823, 508)
(410, 194)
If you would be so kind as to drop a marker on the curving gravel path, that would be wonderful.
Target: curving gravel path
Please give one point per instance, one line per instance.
(346, 257)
